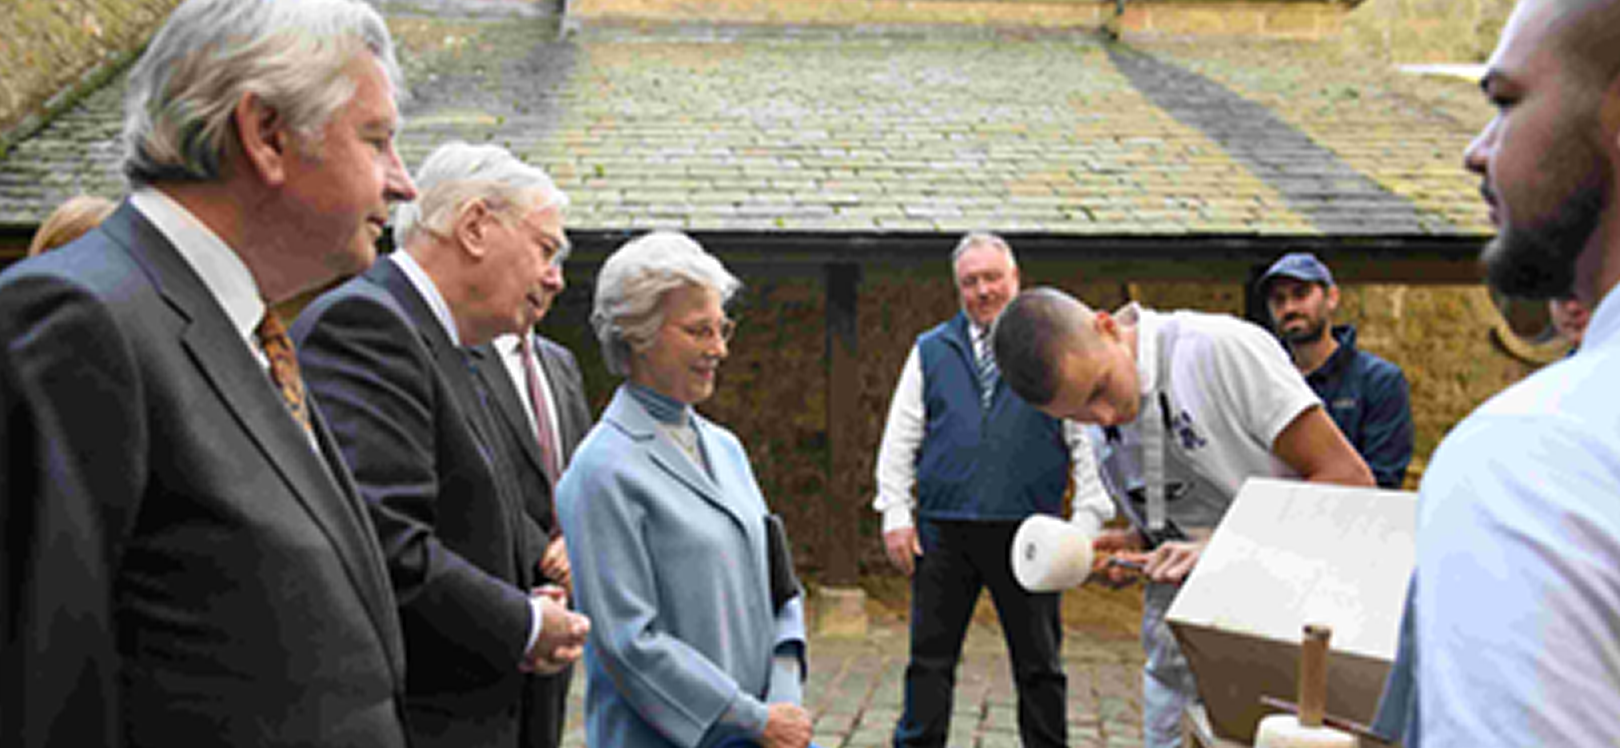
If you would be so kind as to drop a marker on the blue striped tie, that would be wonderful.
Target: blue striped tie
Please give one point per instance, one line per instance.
(987, 373)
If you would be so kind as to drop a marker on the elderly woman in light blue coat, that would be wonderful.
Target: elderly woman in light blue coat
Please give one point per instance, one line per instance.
(666, 527)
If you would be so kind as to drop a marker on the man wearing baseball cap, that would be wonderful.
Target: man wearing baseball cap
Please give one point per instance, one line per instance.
(1366, 396)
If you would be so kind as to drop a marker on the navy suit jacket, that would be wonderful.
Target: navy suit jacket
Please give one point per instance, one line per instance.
(408, 415)
(180, 567)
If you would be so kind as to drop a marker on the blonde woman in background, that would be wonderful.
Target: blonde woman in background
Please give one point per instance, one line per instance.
(70, 221)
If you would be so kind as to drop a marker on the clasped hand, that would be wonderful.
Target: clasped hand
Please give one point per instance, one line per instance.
(562, 634)
(788, 726)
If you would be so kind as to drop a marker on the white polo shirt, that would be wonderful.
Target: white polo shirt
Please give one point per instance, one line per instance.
(1232, 390)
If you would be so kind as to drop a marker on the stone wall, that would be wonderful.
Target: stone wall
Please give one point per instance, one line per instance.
(1442, 337)
(1245, 18)
(1415, 31)
(69, 47)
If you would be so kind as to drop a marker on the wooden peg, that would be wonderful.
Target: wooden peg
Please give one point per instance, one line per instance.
(1313, 674)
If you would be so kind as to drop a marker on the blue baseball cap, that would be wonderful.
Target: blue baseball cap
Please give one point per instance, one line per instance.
(1299, 266)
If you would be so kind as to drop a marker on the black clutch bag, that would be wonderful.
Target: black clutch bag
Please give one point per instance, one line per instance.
(784, 583)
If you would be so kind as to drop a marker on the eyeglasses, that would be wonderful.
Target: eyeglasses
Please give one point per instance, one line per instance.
(707, 332)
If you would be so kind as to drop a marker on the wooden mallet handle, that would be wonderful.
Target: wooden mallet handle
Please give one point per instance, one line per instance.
(1313, 674)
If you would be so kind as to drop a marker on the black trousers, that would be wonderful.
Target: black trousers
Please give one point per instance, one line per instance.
(959, 559)
(548, 709)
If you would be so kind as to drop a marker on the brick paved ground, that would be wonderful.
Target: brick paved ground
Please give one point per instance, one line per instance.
(854, 690)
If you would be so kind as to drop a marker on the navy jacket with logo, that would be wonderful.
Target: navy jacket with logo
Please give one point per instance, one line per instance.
(1368, 398)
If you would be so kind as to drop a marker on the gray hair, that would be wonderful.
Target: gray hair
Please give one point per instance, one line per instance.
(630, 290)
(456, 174)
(984, 239)
(293, 54)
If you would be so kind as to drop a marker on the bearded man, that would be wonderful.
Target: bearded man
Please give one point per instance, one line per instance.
(1366, 396)
(1512, 623)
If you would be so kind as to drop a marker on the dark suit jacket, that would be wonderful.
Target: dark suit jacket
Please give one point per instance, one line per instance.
(548, 695)
(567, 391)
(408, 416)
(179, 566)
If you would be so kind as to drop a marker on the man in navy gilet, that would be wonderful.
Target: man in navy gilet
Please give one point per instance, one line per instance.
(980, 460)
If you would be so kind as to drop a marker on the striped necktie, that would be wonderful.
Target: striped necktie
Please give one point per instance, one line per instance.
(538, 401)
(988, 372)
(278, 348)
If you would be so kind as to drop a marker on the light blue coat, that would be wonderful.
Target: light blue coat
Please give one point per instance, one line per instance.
(671, 568)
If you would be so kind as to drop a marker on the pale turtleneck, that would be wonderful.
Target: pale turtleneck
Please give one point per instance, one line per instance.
(674, 421)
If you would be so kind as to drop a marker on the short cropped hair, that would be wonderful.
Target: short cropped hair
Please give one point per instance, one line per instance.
(630, 290)
(1584, 36)
(981, 238)
(71, 220)
(292, 54)
(1030, 338)
(456, 174)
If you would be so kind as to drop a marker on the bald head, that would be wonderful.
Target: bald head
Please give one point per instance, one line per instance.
(1586, 36)
(1032, 336)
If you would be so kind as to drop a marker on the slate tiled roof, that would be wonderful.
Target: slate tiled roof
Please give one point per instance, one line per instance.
(906, 131)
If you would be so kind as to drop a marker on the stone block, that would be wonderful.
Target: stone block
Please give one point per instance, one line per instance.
(841, 612)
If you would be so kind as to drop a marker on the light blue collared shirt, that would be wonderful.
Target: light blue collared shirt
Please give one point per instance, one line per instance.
(1517, 601)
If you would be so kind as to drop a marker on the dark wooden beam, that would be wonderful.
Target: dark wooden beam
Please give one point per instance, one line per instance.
(1420, 260)
(839, 548)
(1217, 258)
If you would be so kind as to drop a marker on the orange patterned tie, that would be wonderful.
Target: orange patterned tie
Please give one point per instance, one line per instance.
(278, 348)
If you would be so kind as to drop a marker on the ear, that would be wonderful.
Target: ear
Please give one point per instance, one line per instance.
(1332, 298)
(264, 139)
(472, 227)
(1104, 324)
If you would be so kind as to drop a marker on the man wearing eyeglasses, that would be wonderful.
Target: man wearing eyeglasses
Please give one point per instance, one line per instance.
(541, 414)
(383, 357)
(981, 460)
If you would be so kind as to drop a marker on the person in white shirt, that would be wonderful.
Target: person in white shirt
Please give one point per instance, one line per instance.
(1511, 634)
(963, 461)
(1217, 393)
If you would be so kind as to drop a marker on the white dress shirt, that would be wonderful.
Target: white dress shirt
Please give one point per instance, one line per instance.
(216, 264)
(221, 271)
(509, 346)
